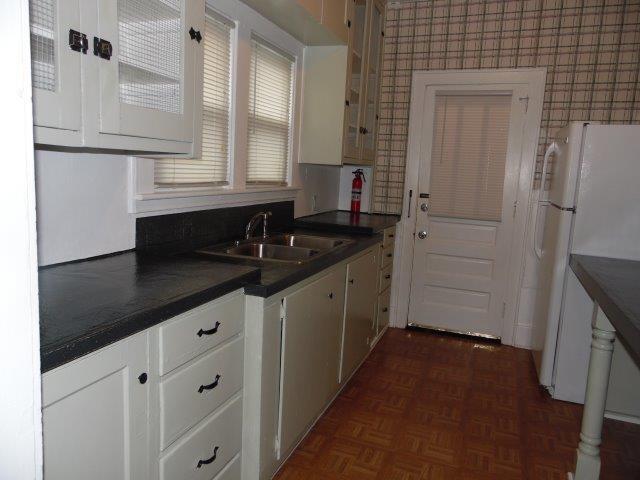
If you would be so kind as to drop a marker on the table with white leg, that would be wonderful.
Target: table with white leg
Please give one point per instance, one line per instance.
(614, 286)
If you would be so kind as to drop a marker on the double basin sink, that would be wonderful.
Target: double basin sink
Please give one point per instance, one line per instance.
(288, 248)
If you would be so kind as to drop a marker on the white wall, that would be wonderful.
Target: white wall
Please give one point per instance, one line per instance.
(20, 398)
(346, 177)
(82, 206)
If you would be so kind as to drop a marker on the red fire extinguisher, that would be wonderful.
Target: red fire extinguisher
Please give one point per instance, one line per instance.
(356, 190)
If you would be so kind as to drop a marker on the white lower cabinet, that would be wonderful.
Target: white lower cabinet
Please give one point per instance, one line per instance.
(95, 416)
(297, 343)
(310, 354)
(359, 312)
(165, 403)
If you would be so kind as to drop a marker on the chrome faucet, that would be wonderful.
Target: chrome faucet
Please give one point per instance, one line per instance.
(253, 223)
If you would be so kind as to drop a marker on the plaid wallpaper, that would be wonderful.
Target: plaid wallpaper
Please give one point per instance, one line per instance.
(591, 49)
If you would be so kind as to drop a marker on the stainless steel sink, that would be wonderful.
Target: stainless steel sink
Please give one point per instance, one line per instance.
(307, 241)
(287, 248)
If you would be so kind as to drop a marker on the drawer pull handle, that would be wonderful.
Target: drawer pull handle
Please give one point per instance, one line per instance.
(389, 255)
(211, 386)
(209, 332)
(391, 235)
(209, 460)
(385, 310)
(387, 276)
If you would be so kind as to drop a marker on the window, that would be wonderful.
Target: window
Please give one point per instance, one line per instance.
(269, 125)
(213, 166)
(469, 156)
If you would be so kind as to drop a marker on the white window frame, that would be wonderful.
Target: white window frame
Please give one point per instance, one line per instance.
(146, 198)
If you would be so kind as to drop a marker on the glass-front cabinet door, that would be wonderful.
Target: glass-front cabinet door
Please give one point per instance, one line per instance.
(57, 48)
(369, 130)
(147, 67)
(355, 81)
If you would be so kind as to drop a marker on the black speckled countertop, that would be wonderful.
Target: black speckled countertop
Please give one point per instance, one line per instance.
(342, 221)
(615, 285)
(87, 305)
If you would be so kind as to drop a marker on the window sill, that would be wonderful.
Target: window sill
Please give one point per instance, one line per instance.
(172, 201)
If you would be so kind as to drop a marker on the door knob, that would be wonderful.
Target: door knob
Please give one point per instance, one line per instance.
(424, 207)
(422, 234)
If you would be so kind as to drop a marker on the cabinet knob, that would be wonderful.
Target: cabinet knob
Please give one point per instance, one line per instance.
(142, 378)
(387, 276)
(351, 281)
(331, 295)
(385, 310)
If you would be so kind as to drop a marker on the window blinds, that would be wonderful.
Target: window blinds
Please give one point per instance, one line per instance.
(213, 166)
(469, 156)
(270, 99)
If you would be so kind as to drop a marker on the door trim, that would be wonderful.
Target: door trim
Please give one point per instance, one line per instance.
(534, 79)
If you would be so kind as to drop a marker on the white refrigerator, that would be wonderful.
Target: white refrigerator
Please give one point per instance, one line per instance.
(592, 207)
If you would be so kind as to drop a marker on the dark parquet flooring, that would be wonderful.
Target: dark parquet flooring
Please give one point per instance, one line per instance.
(429, 407)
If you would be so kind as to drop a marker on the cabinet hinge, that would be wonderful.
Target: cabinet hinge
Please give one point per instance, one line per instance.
(504, 308)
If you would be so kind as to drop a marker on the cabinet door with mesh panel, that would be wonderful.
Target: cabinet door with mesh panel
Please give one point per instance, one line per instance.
(55, 68)
(151, 86)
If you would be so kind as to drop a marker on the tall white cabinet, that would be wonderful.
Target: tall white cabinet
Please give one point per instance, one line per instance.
(123, 75)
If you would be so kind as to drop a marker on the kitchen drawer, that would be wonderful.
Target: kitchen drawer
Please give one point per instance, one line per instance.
(389, 236)
(196, 331)
(231, 471)
(385, 278)
(387, 256)
(384, 300)
(216, 441)
(183, 399)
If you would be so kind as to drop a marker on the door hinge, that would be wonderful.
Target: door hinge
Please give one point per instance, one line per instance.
(504, 308)
(526, 102)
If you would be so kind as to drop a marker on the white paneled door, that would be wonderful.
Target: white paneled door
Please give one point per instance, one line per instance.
(466, 206)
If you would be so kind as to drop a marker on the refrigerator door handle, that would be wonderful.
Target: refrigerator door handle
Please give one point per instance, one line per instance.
(551, 150)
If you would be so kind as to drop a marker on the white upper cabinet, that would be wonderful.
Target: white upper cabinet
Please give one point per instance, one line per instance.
(141, 74)
(57, 47)
(363, 82)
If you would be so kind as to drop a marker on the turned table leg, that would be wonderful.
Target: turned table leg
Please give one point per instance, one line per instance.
(588, 454)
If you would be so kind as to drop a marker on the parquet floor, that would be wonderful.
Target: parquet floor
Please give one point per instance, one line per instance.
(430, 407)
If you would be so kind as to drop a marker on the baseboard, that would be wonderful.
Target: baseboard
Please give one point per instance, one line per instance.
(621, 417)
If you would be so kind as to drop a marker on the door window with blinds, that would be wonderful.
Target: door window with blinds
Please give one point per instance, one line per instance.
(468, 156)
(212, 168)
(270, 114)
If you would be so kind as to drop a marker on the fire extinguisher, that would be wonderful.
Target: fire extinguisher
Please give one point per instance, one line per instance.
(356, 190)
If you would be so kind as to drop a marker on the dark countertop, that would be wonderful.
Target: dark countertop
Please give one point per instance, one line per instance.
(342, 221)
(615, 285)
(87, 305)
